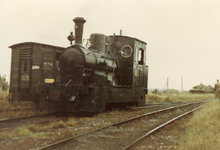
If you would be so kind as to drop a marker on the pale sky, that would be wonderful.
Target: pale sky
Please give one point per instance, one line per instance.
(182, 36)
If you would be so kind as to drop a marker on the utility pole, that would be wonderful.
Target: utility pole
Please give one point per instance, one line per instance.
(181, 84)
(166, 84)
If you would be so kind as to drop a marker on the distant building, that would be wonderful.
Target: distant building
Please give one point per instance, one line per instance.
(202, 89)
(199, 87)
(210, 89)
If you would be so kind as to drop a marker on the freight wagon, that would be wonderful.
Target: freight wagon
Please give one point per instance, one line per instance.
(32, 63)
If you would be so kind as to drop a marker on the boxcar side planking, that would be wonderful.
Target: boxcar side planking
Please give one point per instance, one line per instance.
(32, 63)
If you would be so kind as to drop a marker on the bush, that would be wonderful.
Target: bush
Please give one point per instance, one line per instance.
(156, 91)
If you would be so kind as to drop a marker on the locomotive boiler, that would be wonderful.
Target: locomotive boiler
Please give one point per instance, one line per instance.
(109, 70)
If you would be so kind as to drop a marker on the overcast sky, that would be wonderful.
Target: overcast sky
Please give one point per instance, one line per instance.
(182, 36)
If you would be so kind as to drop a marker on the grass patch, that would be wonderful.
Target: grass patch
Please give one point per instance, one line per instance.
(183, 97)
(41, 135)
(203, 131)
(5, 105)
(22, 131)
(38, 131)
(17, 109)
(53, 125)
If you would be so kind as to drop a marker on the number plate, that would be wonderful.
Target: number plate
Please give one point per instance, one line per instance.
(49, 80)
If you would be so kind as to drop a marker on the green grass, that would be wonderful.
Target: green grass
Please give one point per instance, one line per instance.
(183, 97)
(203, 130)
(3, 95)
(17, 109)
(5, 105)
(38, 130)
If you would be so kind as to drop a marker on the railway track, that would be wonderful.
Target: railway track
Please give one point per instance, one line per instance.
(159, 127)
(43, 119)
(26, 109)
(124, 134)
(15, 122)
(167, 104)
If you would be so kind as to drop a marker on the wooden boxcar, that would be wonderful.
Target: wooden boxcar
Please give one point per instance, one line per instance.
(32, 63)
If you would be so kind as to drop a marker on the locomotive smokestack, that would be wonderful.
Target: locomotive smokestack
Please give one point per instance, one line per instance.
(78, 30)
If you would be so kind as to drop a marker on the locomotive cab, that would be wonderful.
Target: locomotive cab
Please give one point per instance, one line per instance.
(131, 57)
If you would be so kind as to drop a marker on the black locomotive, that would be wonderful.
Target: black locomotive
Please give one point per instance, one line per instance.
(108, 70)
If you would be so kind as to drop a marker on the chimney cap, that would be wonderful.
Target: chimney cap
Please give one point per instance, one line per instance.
(79, 19)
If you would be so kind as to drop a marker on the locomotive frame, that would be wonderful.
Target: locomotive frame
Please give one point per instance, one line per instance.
(111, 71)
(32, 63)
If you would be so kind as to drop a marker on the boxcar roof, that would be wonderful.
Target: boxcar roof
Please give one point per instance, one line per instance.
(34, 43)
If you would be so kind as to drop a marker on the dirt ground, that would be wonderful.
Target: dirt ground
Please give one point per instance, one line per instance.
(165, 138)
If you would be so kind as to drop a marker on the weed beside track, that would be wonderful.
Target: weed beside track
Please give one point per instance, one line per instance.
(202, 131)
(183, 97)
(18, 109)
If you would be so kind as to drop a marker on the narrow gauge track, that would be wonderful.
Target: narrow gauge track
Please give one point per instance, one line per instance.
(7, 110)
(15, 122)
(168, 104)
(36, 119)
(160, 104)
(123, 133)
(159, 127)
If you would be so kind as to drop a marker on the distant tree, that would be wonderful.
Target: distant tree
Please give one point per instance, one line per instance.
(155, 91)
(1, 79)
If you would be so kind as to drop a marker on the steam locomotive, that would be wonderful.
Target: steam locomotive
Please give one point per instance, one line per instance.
(109, 70)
